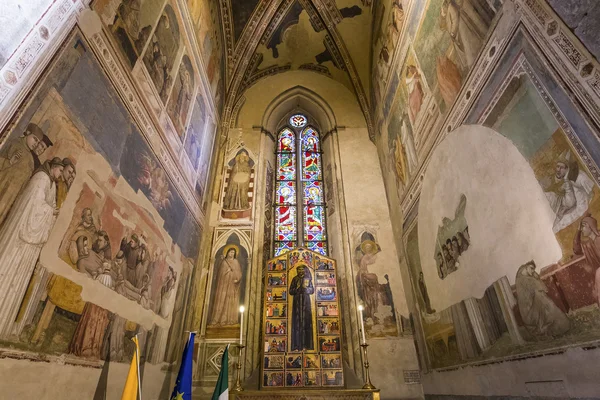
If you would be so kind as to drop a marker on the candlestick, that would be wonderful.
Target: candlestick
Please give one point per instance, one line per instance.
(242, 309)
(368, 384)
(362, 323)
(238, 382)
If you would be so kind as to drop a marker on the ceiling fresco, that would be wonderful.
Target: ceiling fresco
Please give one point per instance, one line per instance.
(267, 37)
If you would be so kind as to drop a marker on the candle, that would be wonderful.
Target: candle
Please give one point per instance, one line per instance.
(362, 324)
(242, 309)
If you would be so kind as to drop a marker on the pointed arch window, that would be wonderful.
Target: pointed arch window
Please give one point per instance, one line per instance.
(300, 199)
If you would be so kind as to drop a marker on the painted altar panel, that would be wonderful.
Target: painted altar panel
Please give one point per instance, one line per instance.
(301, 326)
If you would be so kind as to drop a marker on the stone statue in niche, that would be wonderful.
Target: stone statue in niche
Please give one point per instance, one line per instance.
(236, 202)
(452, 241)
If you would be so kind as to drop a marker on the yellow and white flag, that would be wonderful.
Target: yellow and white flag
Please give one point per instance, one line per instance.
(132, 384)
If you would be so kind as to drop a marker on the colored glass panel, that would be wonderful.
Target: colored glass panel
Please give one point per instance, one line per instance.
(311, 166)
(310, 140)
(314, 223)
(319, 247)
(287, 141)
(298, 121)
(313, 192)
(285, 223)
(283, 247)
(287, 167)
(286, 192)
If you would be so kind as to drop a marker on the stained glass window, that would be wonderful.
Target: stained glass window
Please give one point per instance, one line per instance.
(298, 121)
(299, 185)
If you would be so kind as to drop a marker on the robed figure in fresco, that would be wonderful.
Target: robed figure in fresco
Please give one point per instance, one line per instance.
(236, 196)
(540, 314)
(227, 291)
(26, 230)
(300, 289)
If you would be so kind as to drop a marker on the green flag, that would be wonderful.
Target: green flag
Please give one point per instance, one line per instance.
(222, 389)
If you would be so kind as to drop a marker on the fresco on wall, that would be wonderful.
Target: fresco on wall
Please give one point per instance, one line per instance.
(180, 101)
(196, 133)
(448, 42)
(268, 224)
(228, 289)
(536, 306)
(92, 203)
(131, 23)
(379, 313)
(388, 22)
(205, 17)
(241, 10)
(452, 241)
(239, 186)
(440, 43)
(401, 144)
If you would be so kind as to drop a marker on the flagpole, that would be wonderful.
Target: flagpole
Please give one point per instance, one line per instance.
(137, 359)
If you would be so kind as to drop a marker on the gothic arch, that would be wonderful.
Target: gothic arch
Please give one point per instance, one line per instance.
(298, 99)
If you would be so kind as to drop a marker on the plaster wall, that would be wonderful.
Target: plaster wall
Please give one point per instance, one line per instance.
(572, 374)
(508, 227)
(70, 381)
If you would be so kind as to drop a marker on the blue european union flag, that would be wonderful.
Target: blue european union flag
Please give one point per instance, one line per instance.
(183, 385)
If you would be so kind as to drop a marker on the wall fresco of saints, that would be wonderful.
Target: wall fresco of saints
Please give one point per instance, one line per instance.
(301, 322)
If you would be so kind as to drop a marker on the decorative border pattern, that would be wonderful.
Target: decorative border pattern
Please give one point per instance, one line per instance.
(22, 69)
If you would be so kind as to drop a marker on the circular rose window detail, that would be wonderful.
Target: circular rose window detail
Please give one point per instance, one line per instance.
(298, 121)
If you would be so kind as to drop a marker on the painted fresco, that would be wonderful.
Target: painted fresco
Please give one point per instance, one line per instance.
(379, 313)
(388, 20)
(131, 23)
(194, 140)
(205, 17)
(299, 40)
(537, 304)
(104, 236)
(162, 50)
(181, 98)
(241, 10)
(239, 186)
(228, 289)
(453, 240)
(448, 42)
(439, 46)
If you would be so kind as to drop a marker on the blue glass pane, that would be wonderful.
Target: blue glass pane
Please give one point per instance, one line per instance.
(319, 247)
(311, 166)
(286, 192)
(314, 223)
(287, 141)
(286, 167)
(285, 223)
(310, 140)
(313, 192)
(283, 247)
